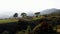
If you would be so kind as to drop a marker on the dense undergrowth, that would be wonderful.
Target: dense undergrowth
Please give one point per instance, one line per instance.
(38, 26)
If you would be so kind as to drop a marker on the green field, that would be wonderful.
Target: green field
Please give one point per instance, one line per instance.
(7, 20)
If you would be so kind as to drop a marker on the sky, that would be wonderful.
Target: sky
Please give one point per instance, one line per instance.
(9, 7)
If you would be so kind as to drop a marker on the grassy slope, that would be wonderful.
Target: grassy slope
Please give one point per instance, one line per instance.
(36, 18)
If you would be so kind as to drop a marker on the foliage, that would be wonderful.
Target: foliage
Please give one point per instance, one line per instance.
(27, 31)
(37, 27)
(5, 32)
(15, 15)
(50, 20)
(37, 18)
(37, 14)
(23, 15)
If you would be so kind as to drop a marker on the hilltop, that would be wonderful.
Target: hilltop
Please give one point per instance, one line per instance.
(50, 11)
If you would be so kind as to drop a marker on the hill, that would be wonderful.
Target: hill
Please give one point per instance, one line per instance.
(51, 11)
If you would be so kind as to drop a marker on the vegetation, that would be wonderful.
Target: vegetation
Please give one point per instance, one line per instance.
(23, 15)
(45, 24)
(7, 21)
(15, 15)
(37, 14)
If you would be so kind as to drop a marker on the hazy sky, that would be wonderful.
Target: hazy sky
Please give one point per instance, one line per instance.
(11, 6)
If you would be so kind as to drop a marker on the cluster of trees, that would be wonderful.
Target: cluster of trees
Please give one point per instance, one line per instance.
(25, 15)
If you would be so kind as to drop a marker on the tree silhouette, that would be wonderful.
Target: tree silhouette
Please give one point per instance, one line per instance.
(23, 15)
(37, 14)
(15, 15)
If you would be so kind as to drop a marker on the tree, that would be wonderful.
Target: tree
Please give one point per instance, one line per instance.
(23, 15)
(15, 15)
(37, 14)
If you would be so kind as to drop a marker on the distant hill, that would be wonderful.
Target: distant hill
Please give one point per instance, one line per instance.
(4, 16)
(50, 11)
(44, 12)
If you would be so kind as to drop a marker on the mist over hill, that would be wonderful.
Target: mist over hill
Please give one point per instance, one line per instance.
(44, 12)
(50, 11)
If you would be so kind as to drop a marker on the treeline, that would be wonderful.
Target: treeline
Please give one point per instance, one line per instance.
(24, 15)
